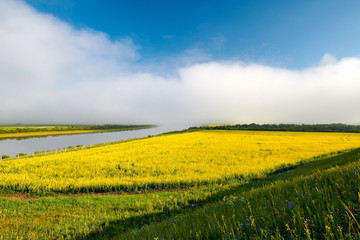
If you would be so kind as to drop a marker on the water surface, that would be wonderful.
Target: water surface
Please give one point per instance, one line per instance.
(12, 147)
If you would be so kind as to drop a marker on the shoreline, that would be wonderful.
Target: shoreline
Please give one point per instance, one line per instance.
(4, 136)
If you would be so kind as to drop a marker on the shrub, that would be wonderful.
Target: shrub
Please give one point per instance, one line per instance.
(5, 156)
(21, 154)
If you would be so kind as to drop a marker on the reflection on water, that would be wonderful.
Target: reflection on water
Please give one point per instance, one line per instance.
(12, 147)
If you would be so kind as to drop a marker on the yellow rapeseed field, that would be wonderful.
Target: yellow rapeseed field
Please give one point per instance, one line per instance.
(169, 161)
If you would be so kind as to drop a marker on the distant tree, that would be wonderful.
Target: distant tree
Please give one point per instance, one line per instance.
(335, 127)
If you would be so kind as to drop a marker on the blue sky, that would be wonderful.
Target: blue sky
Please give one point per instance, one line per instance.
(291, 34)
(181, 63)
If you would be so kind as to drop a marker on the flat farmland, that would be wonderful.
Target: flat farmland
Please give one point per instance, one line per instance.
(173, 161)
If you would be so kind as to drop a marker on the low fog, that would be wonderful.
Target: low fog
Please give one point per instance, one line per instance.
(51, 72)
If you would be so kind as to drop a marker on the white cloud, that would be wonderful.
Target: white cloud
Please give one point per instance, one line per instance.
(254, 93)
(53, 73)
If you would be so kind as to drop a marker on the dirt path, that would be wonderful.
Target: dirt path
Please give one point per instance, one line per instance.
(94, 194)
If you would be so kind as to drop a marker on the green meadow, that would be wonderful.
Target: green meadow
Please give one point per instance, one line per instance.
(316, 200)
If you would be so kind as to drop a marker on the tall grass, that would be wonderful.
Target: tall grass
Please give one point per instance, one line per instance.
(324, 205)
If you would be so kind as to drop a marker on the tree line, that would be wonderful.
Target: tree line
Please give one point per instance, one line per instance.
(334, 127)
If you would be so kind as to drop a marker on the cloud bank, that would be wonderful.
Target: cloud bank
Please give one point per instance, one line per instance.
(51, 72)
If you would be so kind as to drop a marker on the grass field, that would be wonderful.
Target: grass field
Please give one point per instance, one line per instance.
(179, 160)
(322, 205)
(200, 185)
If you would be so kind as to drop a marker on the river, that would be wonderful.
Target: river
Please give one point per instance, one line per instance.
(12, 147)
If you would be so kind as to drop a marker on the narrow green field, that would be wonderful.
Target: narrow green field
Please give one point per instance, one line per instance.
(25, 131)
(52, 128)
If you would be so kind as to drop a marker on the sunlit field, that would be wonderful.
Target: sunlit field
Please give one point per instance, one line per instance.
(172, 161)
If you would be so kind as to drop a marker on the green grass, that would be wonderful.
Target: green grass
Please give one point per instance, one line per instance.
(72, 217)
(311, 208)
(320, 193)
(51, 128)
(293, 205)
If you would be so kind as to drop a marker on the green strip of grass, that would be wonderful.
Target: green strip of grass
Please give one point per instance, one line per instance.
(52, 128)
